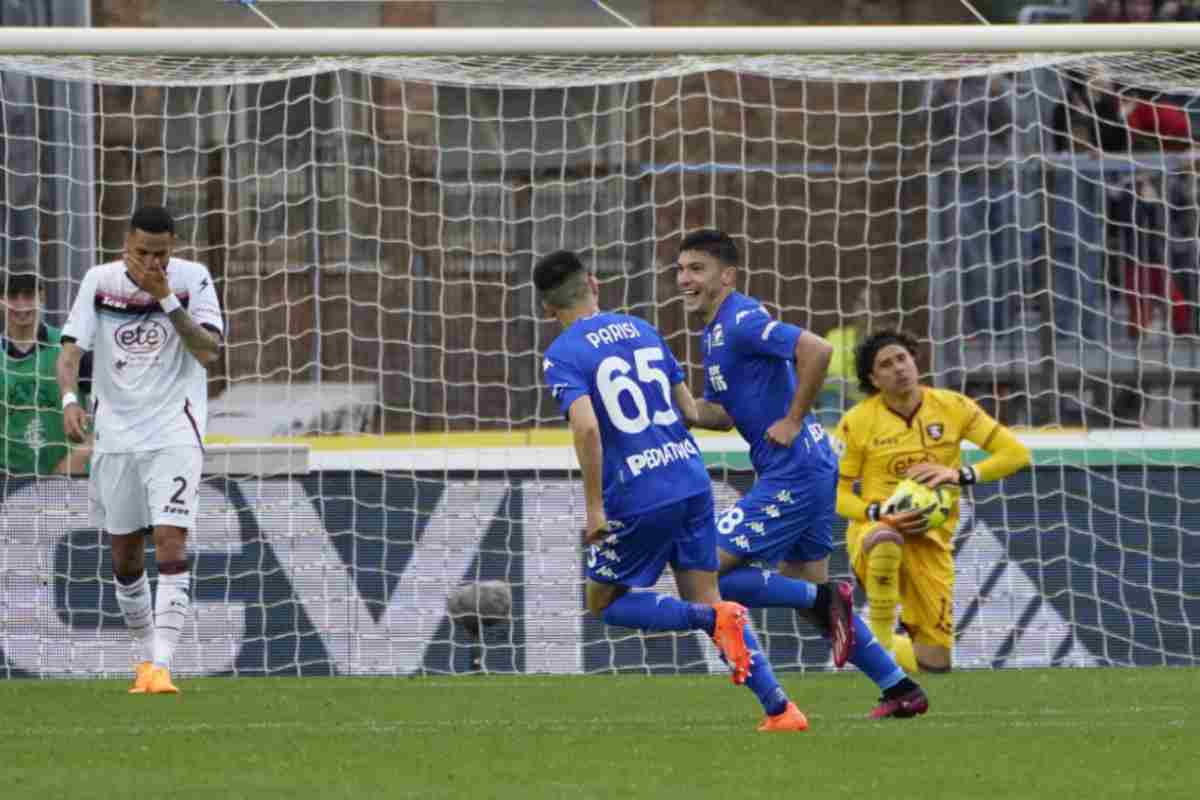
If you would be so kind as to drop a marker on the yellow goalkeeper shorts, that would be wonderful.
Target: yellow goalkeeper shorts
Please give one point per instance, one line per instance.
(926, 586)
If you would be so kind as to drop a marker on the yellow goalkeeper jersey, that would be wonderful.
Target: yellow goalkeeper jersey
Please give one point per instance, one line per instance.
(877, 445)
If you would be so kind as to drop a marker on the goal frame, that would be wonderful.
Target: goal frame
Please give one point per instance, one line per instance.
(971, 49)
(716, 40)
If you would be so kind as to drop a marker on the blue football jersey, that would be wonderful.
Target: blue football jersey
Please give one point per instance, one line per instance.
(750, 369)
(627, 370)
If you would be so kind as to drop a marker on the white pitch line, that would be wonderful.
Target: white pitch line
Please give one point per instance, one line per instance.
(1053, 718)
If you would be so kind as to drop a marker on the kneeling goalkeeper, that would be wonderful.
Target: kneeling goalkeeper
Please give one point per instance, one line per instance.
(906, 430)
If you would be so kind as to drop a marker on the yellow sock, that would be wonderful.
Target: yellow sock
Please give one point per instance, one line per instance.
(905, 656)
(883, 591)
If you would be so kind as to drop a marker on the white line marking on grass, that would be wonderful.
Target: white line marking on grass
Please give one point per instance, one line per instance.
(1044, 718)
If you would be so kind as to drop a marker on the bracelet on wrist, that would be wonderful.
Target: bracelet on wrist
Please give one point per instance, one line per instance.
(169, 303)
(967, 476)
(68, 399)
(873, 512)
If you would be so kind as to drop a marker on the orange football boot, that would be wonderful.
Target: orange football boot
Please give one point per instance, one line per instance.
(729, 635)
(790, 719)
(160, 682)
(141, 677)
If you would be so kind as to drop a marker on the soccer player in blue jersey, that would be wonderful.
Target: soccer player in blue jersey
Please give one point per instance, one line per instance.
(761, 376)
(648, 495)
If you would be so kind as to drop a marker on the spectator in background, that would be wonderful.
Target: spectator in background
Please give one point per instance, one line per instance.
(1138, 11)
(1183, 235)
(972, 129)
(1086, 125)
(1104, 11)
(1174, 11)
(841, 390)
(32, 439)
(1150, 283)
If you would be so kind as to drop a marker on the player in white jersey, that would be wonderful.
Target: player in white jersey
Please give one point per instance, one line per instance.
(153, 325)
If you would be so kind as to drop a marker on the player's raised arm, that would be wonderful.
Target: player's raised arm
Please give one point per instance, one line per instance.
(203, 344)
(147, 254)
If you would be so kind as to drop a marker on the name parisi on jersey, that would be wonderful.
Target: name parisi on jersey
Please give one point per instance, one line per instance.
(651, 457)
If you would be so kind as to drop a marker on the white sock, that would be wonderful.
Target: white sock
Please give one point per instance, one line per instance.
(134, 600)
(170, 612)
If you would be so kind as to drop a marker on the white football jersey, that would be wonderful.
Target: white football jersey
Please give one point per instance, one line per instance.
(148, 391)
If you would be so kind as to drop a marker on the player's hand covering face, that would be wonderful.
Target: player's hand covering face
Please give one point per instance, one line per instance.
(146, 257)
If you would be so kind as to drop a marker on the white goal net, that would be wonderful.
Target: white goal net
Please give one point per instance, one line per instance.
(372, 224)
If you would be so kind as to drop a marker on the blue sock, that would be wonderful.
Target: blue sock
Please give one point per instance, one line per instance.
(651, 611)
(762, 678)
(760, 588)
(872, 659)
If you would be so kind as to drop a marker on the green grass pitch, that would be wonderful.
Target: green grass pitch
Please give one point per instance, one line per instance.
(1062, 734)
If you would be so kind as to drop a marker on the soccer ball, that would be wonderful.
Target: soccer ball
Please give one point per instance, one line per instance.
(911, 496)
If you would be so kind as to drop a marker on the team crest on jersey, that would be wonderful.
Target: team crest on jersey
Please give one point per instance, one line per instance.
(717, 337)
(35, 434)
(935, 430)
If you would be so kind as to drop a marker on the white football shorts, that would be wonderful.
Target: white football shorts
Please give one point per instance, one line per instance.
(132, 491)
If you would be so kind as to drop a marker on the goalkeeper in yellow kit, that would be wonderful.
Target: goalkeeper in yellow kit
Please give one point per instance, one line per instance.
(906, 430)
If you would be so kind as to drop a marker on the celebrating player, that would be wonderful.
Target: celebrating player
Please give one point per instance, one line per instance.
(906, 430)
(32, 439)
(761, 375)
(153, 324)
(648, 496)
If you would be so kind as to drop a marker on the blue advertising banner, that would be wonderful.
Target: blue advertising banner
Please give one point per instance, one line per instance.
(348, 573)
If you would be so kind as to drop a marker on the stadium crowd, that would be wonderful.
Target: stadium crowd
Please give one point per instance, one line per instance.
(1110, 205)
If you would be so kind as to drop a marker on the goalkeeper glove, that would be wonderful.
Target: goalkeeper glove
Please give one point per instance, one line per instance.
(906, 523)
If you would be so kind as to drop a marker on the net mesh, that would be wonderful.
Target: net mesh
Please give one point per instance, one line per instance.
(372, 224)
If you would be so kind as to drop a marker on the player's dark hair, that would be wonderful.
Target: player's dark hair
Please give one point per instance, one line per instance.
(561, 279)
(20, 283)
(717, 244)
(152, 219)
(868, 348)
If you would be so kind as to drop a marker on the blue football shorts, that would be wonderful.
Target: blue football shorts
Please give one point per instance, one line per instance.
(682, 534)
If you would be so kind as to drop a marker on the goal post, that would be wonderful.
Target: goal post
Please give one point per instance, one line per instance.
(1024, 200)
(599, 41)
